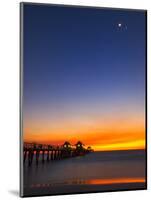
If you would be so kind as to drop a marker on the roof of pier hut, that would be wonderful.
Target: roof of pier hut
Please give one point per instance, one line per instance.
(67, 144)
(79, 143)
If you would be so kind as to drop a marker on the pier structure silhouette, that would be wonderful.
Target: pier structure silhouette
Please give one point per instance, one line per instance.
(49, 152)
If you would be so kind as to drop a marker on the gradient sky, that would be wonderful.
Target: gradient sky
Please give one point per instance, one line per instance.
(84, 76)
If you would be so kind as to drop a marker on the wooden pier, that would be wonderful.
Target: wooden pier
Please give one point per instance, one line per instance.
(46, 153)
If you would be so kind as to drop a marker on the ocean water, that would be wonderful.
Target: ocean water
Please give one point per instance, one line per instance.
(96, 171)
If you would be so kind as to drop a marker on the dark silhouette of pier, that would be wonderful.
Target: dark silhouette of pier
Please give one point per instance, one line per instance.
(51, 152)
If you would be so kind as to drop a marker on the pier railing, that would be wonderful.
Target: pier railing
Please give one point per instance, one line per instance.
(44, 152)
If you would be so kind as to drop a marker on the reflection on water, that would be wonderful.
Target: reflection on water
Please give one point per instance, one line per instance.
(98, 168)
(115, 181)
(93, 182)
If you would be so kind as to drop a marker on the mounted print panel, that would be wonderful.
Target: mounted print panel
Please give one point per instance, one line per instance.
(83, 99)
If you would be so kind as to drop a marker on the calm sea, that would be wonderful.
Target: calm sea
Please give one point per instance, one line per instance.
(96, 171)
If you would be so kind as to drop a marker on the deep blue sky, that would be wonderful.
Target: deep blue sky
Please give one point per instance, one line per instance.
(78, 59)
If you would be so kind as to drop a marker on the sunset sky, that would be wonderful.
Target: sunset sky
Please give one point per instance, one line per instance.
(84, 77)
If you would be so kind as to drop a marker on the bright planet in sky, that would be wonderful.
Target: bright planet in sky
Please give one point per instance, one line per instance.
(90, 101)
(122, 26)
(119, 24)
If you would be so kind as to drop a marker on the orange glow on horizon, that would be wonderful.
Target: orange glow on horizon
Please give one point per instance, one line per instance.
(99, 141)
(132, 145)
(123, 132)
(127, 145)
